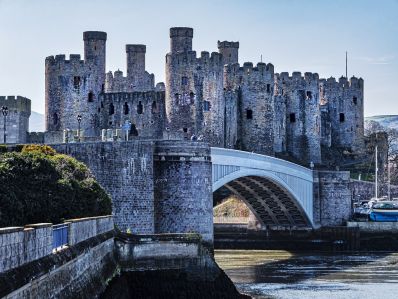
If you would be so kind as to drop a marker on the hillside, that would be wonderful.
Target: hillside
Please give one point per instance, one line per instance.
(388, 121)
(36, 122)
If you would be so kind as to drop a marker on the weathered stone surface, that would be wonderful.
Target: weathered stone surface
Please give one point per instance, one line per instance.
(17, 119)
(332, 198)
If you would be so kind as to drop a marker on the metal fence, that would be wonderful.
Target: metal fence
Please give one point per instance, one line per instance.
(60, 235)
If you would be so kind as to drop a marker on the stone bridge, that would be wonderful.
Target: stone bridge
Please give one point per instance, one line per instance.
(278, 192)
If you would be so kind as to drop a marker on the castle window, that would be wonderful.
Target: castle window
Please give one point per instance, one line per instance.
(249, 114)
(309, 95)
(140, 108)
(268, 88)
(184, 81)
(90, 96)
(103, 87)
(355, 100)
(192, 97)
(111, 109)
(176, 97)
(292, 117)
(206, 106)
(154, 107)
(185, 130)
(342, 117)
(126, 109)
(55, 118)
(76, 82)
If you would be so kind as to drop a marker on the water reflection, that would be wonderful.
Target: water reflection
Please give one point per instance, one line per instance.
(281, 274)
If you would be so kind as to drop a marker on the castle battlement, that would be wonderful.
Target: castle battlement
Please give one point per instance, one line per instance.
(248, 72)
(227, 44)
(308, 79)
(343, 82)
(18, 103)
(61, 59)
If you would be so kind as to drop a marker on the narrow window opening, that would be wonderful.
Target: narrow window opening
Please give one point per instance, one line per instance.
(185, 130)
(206, 106)
(55, 118)
(292, 117)
(249, 114)
(355, 100)
(309, 95)
(126, 109)
(342, 117)
(76, 82)
(268, 88)
(103, 87)
(90, 96)
(154, 107)
(192, 97)
(177, 97)
(111, 109)
(140, 108)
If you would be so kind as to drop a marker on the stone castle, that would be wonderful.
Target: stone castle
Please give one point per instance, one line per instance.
(16, 120)
(211, 98)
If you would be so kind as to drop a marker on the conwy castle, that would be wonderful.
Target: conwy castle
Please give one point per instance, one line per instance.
(211, 98)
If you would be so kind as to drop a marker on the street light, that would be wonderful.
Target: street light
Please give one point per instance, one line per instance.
(4, 110)
(79, 119)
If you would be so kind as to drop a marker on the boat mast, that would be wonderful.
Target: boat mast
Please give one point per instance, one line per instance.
(389, 179)
(376, 178)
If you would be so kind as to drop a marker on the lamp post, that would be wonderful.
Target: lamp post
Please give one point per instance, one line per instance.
(79, 119)
(4, 110)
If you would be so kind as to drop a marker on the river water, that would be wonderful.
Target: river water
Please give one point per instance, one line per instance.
(282, 274)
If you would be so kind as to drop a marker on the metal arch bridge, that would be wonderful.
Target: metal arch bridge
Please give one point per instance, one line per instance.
(278, 192)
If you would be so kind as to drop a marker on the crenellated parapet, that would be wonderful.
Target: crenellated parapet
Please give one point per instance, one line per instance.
(17, 119)
(236, 75)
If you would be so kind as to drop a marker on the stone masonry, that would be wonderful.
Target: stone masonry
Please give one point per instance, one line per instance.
(209, 97)
(17, 119)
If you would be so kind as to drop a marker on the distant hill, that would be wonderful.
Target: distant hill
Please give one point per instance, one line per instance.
(36, 122)
(387, 121)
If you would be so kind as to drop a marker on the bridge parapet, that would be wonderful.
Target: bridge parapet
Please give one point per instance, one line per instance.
(297, 181)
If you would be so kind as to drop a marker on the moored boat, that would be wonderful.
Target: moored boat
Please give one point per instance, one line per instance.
(384, 211)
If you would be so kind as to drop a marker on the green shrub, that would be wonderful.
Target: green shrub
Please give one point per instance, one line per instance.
(40, 185)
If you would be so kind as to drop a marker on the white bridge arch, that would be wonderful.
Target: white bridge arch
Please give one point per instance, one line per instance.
(278, 192)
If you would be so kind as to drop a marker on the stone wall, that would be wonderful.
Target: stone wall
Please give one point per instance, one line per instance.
(125, 171)
(20, 245)
(17, 119)
(332, 198)
(85, 228)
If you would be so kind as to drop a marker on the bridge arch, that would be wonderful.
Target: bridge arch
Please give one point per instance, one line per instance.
(278, 192)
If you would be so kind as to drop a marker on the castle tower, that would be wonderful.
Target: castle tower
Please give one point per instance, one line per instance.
(73, 87)
(303, 117)
(346, 111)
(136, 65)
(229, 51)
(181, 39)
(183, 86)
(17, 119)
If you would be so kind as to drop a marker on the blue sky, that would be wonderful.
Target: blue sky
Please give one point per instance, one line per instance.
(306, 35)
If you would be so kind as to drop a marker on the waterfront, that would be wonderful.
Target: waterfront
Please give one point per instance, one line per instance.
(282, 274)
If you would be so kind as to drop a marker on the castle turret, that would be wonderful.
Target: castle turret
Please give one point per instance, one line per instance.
(95, 48)
(229, 51)
(181, 39)
(136, 64)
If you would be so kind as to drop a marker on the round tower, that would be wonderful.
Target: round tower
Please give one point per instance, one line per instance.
(229, 51)
(181, 39)
(136, 66)
(183, 192)
(135, 60)
(95, 62)
(95, 48)
(183, 86)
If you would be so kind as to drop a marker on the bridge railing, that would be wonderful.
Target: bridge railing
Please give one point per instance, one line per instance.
(21, 245)
(252, 160)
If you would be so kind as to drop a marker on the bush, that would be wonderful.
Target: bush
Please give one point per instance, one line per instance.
(40, 185)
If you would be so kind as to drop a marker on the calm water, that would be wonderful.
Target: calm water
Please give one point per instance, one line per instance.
(281, 274)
